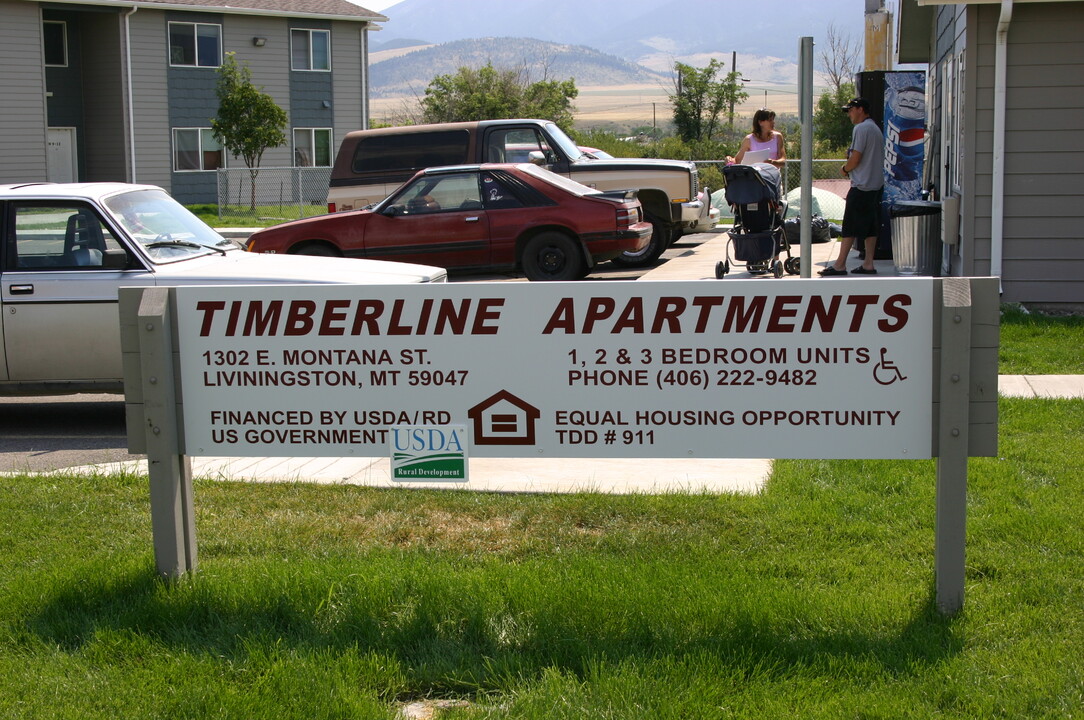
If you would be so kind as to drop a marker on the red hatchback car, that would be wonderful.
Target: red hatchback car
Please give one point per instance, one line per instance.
(478, 216)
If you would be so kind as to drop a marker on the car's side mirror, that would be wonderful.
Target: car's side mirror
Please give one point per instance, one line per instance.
(115, 258)
(537, 157)
(394, 210)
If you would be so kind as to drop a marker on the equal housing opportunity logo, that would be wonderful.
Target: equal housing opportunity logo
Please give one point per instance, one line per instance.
(429, 453)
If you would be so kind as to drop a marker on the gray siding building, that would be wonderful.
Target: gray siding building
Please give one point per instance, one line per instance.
(1006, 120)
(125, 90)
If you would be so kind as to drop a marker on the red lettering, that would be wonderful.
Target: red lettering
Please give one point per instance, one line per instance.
(893, 307)
(299, 317)
(781, 310)
(334, 310)
(208, 308)
(599, 308)
(860, 303)
(563, 318)
(669, 312)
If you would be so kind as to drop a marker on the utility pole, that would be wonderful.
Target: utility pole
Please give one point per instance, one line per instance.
(733, 69)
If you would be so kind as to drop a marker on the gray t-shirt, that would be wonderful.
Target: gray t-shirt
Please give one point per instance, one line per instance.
(868, 139)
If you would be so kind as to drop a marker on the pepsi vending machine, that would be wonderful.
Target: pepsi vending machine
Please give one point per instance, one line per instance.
(898, 104)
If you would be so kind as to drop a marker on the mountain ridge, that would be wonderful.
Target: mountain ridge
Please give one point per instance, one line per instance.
(633, 28)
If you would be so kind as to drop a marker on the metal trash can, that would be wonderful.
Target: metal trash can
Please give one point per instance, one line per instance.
(916, 236)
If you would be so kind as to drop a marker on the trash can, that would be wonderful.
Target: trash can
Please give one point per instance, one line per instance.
(916, 236)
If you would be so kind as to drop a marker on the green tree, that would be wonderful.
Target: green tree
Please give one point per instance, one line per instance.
(248, 121)
(488, 93)
(699, 99)
(831, 126)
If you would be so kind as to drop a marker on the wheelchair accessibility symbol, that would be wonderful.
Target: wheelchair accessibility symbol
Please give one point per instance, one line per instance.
(886, 372)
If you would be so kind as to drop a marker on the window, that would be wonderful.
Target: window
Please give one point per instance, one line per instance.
(411, 151)
(195, 44)
(312, 147)
(196, 149)
(443, 193)
(516, 145)
(310, 49)
(60, 237)
(55, 39)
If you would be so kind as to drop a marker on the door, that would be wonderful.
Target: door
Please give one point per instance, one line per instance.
(436, 220)
(61, 163)
(60, 314)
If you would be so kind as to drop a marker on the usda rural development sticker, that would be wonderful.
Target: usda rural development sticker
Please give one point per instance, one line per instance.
(429, 453)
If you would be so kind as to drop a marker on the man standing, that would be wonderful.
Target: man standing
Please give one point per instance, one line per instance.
(865, 168)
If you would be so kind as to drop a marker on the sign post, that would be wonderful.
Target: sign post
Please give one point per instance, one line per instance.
(172, 509)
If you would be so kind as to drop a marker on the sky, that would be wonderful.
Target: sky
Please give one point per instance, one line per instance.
(375, 5)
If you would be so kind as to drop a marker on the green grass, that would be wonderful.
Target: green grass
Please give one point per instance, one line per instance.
(1038, 344)
(812, 599)
(262, 216)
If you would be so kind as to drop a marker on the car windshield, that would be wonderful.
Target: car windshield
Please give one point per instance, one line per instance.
(165, 228)
(570, 148)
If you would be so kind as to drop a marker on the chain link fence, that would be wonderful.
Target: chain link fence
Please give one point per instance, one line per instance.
(828, 186)
(275, 195)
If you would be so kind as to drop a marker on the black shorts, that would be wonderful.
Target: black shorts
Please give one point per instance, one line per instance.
(862, 216)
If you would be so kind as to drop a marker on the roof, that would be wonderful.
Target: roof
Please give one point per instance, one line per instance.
(334, 9)
(74, 191)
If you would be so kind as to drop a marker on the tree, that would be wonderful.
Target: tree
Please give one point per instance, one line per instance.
(699, 99)
(839, 58)
(831, 126)
(248, 121)
(487, 93)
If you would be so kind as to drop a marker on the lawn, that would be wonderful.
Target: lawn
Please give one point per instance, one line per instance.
(811, 599)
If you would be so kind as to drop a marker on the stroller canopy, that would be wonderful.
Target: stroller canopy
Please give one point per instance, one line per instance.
(751, 183)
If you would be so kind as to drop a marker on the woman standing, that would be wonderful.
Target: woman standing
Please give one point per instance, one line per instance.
(764, 137)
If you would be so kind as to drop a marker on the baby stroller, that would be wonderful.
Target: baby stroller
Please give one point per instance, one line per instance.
(752, 191)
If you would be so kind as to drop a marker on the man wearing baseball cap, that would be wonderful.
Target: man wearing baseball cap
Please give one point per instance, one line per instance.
(865, 168)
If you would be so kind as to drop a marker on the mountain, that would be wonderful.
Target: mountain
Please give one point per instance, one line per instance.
(400, 71)
(630, 29)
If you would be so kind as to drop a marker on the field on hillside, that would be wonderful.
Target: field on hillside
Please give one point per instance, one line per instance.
(617, 107)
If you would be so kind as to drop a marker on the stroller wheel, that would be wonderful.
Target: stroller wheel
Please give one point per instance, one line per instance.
(721, 269)
(777, 269)
(793, 265)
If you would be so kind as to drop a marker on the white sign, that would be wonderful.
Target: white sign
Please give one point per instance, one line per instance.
(732, 368)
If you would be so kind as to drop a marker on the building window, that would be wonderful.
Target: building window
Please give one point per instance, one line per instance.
(312, 147)
(55, 39)
(310, 49)
(195, 44)
(196, 149)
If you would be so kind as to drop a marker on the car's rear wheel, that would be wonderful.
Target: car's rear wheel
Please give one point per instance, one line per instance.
(553, 256)
(648, 254)
(318, 249)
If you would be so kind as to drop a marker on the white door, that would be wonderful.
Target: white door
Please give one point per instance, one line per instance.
(60, 155)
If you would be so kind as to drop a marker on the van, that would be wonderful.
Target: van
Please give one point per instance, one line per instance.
(371, 164)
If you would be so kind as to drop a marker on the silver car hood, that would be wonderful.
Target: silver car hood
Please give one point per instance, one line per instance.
(273, 269)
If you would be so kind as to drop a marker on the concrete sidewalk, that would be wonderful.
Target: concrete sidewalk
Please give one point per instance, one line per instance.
(573, 475)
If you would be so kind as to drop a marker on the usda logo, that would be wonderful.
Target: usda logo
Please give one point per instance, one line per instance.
(427, 453)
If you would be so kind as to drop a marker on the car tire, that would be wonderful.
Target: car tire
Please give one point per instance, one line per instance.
(649, 254)
(318, 249)
(553, 256)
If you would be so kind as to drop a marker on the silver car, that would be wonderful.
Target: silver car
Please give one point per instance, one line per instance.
(65, 249)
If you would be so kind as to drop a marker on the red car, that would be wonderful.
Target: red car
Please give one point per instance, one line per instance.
(478, 216)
